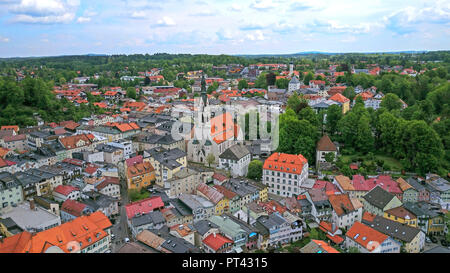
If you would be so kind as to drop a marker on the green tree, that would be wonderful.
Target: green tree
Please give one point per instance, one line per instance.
(131, 92)
(243, 84)
(210, 159)
(391, 102)
(255, 170)
(334, 115)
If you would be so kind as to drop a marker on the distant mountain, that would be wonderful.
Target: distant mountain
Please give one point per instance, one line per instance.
(326, 53)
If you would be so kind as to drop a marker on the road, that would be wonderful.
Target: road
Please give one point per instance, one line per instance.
(120, 228)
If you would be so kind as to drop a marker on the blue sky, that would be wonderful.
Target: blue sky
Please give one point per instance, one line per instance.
(63, 27)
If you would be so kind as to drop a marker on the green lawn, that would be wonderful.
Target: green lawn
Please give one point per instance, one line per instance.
(394, 164)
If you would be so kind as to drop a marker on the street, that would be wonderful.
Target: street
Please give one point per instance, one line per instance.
(120, 228)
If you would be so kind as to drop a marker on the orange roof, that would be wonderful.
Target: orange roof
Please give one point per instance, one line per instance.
(10, 127)
(140, 169)
(365, 95)
(363, 235)
(345, 182)
(71, 142)
(216, 241)
(3, 152)
(339, 98)
(325, 246)
(341, 204)
(285, 163)
(82, 231)
(16, 243)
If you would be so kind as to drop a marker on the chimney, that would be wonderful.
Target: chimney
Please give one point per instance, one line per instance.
(214, 233)
(32, 205)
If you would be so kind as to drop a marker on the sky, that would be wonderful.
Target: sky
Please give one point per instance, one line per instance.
(72, 27)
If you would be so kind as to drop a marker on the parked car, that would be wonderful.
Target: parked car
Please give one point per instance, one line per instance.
(444, 243)
(434, 240)
(427, 240)
(113, 236)
(126, 240)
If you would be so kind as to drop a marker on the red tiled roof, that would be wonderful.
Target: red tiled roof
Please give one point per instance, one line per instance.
(363, 235)
(341, 204)
(339, 98)
(226, 192)
(144, 206)
(285, 163)
(216, 241)
(219, 177)
(65, 189)
(134, 160)
(73, 207)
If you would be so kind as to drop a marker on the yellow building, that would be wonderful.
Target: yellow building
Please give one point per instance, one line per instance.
(342, 101)
(401, 215)
(166, 163)
(140, 175)
(221, 203)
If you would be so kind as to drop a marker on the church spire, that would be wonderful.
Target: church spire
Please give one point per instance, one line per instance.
(203, 91)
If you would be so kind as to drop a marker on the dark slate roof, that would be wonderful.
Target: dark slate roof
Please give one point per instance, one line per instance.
(378, 197)
(393, 229)
(155, 217)
(174, 244)
(415, 184)
(270, 221)
(423, 209)
(203, 226)
(235, 152)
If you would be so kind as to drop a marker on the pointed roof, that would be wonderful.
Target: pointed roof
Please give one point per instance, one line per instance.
(325, 144)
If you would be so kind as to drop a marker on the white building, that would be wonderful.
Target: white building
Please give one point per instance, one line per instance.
(235, 159)
(285, 173)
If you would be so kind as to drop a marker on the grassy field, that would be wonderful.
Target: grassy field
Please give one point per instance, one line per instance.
(392, 163)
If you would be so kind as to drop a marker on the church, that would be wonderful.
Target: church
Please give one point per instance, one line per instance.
(214, 131)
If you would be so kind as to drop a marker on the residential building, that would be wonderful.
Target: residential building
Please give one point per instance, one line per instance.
(401, 215)
(86, 234)
(369, 240)
(30, 217)
(284, 173)
(344, 213)
(222, 204)
(412, 239)
(324, 146)
(11, 192)
(235, 159)
(377, 201)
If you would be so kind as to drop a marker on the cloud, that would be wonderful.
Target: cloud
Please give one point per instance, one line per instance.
(224, 34)
(263, 5)
(252, 26)
(205, 12)
(138, 15)
(4, 39)
(256, 36)
(235, 7)
(166, 22)
(45, 11)
(299, 6)
(408, 20)
(83, 19)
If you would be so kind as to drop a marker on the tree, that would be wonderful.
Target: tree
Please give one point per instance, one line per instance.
(210, 158)
(243, 84)
(147, 81)
(308, 77)
(349, 93)
(334, 115)
(131, 92)
(329, 157)
(391, 102)
(255, 169)
(282, 83)
(271, 78)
